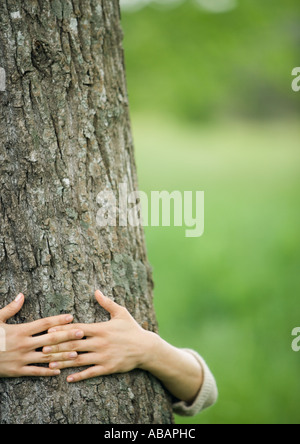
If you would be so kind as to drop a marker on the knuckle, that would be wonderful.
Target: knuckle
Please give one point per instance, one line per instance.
(15, 372)
(111, 368)
(82, 360)
(92, 373)
(105, 357)
(54, 349)
(79, 359)
(123, 311)
(65, 356)
(72, 346)
(72, 334)
(54, 337)
(47, 358)
(104, 343)
(24, 344)
(53, 357)
(34, 371)
(46, 324)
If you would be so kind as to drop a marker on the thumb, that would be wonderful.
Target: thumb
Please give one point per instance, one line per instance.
(107, 304)
(12, 309)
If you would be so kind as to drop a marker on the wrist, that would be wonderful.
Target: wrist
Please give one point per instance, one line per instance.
(150, 346)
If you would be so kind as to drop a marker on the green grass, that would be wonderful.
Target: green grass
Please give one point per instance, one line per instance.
(232, 294)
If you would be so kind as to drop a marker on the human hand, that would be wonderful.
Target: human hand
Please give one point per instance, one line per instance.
(121, 345)
(18, 346)
(110, 347)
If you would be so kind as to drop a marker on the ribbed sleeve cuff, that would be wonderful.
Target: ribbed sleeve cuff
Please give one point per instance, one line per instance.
(207, 396)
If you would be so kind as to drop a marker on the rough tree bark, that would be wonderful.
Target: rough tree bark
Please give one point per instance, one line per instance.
(64, 137)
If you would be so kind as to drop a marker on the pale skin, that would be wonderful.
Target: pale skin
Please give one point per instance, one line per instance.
(18, 346)
(121, 345)
(117, 346)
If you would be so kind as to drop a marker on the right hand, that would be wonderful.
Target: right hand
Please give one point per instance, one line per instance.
(18, 344)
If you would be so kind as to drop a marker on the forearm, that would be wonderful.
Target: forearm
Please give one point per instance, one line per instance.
(177, 369)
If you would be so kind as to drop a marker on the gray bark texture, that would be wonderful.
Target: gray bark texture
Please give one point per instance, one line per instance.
(64, 137)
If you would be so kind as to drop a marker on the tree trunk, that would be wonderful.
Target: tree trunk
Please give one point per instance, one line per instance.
(65, 137)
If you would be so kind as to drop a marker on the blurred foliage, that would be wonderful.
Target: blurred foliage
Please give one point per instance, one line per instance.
(233, 294)
(213, 110)
(202, 66)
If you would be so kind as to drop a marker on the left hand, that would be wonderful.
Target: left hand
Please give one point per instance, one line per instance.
(110, 347)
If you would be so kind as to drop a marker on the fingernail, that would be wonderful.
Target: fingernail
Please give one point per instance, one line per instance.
(73, 355)
(70, 379)
(53, 365)
(79, 334)
(57, 372)
(19, 297)
(47, 350)
(69, 318)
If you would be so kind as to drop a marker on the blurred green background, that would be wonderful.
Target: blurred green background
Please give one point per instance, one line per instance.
(213, 110)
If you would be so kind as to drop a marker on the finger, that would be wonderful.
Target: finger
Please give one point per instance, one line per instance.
(89, 373)
(108, 305)
(88, 329)
(41, 325)
(86, 345)
(55, 338)
(42, 358)
(80, 361)
(12, 309)
(31, 370)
